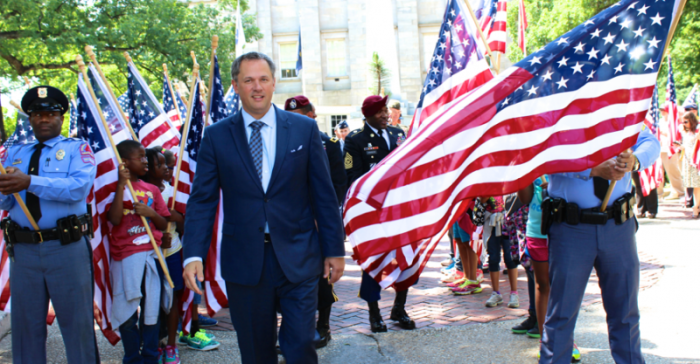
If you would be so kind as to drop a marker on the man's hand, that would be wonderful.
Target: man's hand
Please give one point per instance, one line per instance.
(166, 241)
(607, 170)
(195, 271)
(332, 265)
(124, 176)
(14, 181)
(625, 161)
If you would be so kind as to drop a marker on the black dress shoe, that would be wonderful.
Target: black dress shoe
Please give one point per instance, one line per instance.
(651, 216)
(323, 342)
(398, 313)
(376, 323)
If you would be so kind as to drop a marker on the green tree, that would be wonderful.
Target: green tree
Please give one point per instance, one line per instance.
(381, 76)
(41, 38)
(550, 19)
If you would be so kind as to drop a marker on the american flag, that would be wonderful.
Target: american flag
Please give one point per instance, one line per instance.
(493, 17)
(147, 118)
(90, 128)
(123, 101)
(110, 108)
(188, 167)
(174, 113)
(674, 127)
(23, 134)
(458, 65)
(575, 103)
(653, 176)
(522, 26)
(232, 101)
(691, 102)
(217, 106)
(73, 121)
(240, 33)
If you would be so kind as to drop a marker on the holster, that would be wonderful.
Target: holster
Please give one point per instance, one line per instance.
(623, 208)
(552, 211)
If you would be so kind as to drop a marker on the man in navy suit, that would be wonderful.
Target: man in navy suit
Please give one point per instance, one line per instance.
(282, 228)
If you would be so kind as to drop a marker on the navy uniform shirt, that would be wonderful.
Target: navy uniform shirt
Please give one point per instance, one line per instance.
(66, 174)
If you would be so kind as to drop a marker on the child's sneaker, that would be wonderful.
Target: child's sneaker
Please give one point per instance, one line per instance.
(457, 283)
(575, 355)
(183, 339)
(202, 343)
(514, 301)
(206, 321)
(448, 268)
(160, 355)
(480, 276)
(457, 275)
(468, 289)
(495, 300)
(172, 356)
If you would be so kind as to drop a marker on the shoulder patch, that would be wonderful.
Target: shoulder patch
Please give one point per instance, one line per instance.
(334, 140)
(355, 132)
(86, 154)
(348, 161)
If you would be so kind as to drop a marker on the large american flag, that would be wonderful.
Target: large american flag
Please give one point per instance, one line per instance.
(653, 176)
(91, 129)
(575, 103)
(23, 134)
(175, 109)
(147, 118)
(674, 119)
(457, 67)
(493, 18)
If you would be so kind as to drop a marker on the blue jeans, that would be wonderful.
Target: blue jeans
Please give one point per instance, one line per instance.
(133, 336)
(494, 246)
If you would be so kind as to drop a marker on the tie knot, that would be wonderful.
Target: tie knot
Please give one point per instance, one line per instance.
(40, 146)
(257, 125)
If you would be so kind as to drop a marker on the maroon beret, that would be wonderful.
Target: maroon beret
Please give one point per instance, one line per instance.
(296, 102)
(373, 104)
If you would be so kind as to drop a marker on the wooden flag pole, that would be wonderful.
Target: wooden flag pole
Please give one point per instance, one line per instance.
(26, 81)
(172, 91)
(214, 45)
(16, 105)
(478, 28)
(185, 132)
(93, 57)
(194, 58)
(83, 70)
(604, 206)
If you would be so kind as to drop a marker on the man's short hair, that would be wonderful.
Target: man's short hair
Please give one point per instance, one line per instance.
(306, 109)
(250, 56)
(128, 147)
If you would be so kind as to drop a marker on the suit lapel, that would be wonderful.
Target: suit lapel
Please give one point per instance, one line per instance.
(240, 138)
(283, 126)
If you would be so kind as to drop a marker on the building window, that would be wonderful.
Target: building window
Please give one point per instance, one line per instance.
(288, 60)
(337, 66)
(337, 119)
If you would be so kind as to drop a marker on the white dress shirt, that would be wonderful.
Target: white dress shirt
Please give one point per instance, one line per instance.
(268, 133)
(385, 134)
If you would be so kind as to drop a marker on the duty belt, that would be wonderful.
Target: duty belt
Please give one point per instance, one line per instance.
(558, 210)
(67, 230)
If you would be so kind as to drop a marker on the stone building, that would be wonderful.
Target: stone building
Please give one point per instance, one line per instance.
(338, 38)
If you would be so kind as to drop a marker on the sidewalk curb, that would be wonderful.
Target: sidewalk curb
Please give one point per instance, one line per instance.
(5, 325)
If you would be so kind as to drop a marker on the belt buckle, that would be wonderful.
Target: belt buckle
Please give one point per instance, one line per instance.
(41, 238)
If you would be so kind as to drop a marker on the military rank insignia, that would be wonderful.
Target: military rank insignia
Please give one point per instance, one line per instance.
(348, 161)
(400, 140)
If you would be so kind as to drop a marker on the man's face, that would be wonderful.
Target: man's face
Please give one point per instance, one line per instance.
(255, 86)
(379, 120)
(46, 124)
(394, 115)
(312, 113)
(342, 133)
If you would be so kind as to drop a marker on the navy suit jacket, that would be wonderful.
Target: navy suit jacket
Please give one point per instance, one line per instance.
(300, 204)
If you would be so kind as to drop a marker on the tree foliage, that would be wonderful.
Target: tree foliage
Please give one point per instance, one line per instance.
(40, 38)
(381, 76)
(549, 19)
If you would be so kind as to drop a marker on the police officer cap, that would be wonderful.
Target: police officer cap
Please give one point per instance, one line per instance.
(373, 104)
(395, 104)
(296, 102)
(342, 125)
(44, 98)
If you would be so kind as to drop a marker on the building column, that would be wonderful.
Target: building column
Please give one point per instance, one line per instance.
(265, 26)
(357, 41)
(409, 49)
(312, 73)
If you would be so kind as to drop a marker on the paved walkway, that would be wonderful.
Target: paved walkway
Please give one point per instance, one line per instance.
(460, 330)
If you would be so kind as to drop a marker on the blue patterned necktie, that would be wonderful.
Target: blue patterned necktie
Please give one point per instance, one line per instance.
(256, 146)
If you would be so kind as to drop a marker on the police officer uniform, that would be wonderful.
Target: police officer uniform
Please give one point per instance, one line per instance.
(54, 263)
(364, 149)
(326, 295)
(582, 238)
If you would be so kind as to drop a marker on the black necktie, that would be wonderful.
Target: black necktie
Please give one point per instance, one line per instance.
(600, 187)
(32, 199)
(381, 136)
